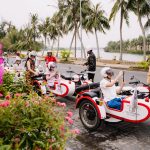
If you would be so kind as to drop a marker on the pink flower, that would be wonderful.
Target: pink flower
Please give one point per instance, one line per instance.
(67, 118)
(46, 97)
(75, 131)
(70, 121)
(5, 103)
(63, 104)
(1, 95)
(18, 94)
(58, 103)
(8, 97)
(27, 104)
(62, 128)
(70, 114)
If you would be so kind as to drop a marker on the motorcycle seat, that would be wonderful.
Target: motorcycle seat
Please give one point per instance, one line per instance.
(97, 91)
(90, 94)
(86, 87)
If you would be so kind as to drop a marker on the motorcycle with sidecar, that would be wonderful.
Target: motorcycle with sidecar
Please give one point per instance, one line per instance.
(94, 111)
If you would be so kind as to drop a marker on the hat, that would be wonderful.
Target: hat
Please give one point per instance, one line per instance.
(105, 71)
(17, 59)
(89, 49)
(51, 64)
(32, 54)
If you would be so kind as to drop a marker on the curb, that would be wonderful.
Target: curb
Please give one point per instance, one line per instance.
(101, 65)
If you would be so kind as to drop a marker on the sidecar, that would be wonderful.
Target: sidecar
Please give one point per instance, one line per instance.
(94, 112)
(63, 89)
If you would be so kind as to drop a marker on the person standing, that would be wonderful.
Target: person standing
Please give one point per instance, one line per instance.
(50, 58)
(30, 68)
(91, 65)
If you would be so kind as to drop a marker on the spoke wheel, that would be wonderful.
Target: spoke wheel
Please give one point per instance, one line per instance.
(89, 115)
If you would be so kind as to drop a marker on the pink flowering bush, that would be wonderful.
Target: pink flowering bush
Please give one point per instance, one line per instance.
(35, 123)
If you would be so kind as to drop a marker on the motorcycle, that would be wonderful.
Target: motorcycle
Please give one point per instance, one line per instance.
(61, 88)
(78, 78)
(94, 111)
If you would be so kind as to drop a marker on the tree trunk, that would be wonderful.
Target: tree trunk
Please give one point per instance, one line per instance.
(57, 48)
(52, 45)
(143, 31)
(71, 42)
(82, 45)
(44, 46)
(98, 52)
(121, 22)
(49, 42)
(75, 48)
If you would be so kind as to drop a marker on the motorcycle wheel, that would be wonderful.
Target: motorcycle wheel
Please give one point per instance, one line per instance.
(37, 89)
(89, 116)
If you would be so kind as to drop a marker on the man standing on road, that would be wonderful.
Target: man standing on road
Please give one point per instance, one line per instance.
(91, 65)
(50, 58)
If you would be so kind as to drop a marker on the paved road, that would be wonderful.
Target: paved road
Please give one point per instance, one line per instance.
(77, 68)
(114, 136)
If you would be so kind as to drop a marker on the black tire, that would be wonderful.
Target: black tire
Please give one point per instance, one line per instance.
(89, 116)
(37, 89)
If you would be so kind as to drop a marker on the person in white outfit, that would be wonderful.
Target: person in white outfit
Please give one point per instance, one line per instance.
(51, 74)
(108, 87)
(17, 67)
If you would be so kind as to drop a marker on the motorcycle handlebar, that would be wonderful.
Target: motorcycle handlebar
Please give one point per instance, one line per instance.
(135, 82)
(70, 71)
(81, 73)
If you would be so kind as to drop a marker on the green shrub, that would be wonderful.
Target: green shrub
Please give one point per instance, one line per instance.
(143, 65)
(32, 124)
(12, 86)
(22, 56)
(65, 54)
(8, 80)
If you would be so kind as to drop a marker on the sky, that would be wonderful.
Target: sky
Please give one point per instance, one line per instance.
(18, 12)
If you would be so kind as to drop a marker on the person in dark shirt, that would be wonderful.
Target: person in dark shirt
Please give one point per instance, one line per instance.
(91, 65)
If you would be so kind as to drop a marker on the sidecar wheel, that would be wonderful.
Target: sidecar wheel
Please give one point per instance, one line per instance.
(89, 116)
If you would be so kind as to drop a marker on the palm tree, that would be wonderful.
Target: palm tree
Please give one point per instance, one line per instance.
(120, 5)
(34, 26)
(57, 28)
(97, 21)
(71, 12)
(44, 30)
(141, 8)
(2, 30)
